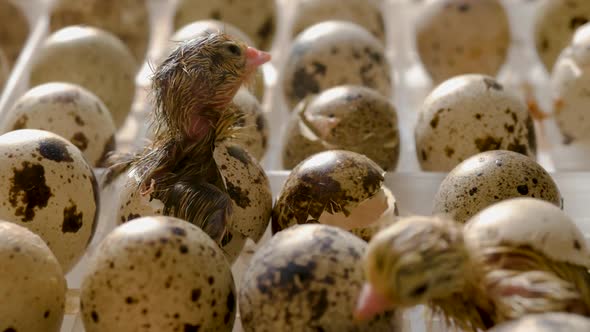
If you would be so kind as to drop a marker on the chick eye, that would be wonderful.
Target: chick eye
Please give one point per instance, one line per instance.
(419, 291)
(234, 49)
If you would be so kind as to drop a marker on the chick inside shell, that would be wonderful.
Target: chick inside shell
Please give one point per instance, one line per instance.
(32, 283)
(69, 111)
(350, 118)
(257, 18)
(15, 29)
(546, 322)
(455, 37)
(127, 19)
(339, 188)
(334, 53)
(362, 12)
(490, 177)
(555, 24)
(159, 272)
(198, 28)
(92, 58)
(469, 114)
(306, 277)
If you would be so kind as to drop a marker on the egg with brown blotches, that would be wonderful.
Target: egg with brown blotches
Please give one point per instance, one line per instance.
(470, 114)
(490, 177)
(352, 118)
(49, 188)
(92, 58)
(69, 111)
(253, 134)
(32, 282)
(159, 272)
(334, 53)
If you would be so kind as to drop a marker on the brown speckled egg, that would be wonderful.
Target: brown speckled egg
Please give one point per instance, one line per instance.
(491, 177)
(32, 284)
(546, 322)
(158, 274)
(257, 18)
(49, 188)
(69, 111)
(569, 83)
(455, 37)
(306, 278)
(198, 28)
(365, 13)
(351, 118)
(15, 29)
(555, 24)
(93, 59)
(467, 115)
(339, 188)
(254, 132)
(127, 19)
(334, 53)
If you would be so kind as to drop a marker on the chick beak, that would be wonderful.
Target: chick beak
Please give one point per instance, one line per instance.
(255, 58)
(370, 303)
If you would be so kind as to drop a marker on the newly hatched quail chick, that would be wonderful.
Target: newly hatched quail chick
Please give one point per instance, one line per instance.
(193, 90)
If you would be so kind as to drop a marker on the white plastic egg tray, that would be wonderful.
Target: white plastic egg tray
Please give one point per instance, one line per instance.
(413, 189)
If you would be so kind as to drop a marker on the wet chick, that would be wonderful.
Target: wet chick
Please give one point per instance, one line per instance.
(193, 91)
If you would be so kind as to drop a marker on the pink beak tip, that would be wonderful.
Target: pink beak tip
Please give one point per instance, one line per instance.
(256, 57)
(370, 304)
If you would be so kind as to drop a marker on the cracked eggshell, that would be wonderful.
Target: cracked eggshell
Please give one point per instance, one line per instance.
(15, 29)
(32, 283)
(69, 111)
(367, 14)
(92, 58)
(555, 24)
(339, 188)
(254, 129)
(570, 80)
(334, 53)
(455, 37)
(49, 188)
(352, 118)
(528, 222)
(467, 115)
(257, 18)
(545, 322)
(308, 276)
(161, 272)
(127, 19)
(198, 28)
(490, 177)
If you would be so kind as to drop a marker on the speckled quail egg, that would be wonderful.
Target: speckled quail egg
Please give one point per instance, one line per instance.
(127, 19)
(491, 177)
(15, 29)
(353, 118)
(470, 114)
(158, 274)
(555, 23)
(93, 59)
(362, 12)
(334, 53)
(306, 278)
(32, 284)
(339, 188)
(69, 111)
(569, 83)
(197, 28)
(254, 132)
(455, 37)
(49, 188)
(546, 322)
(257, 18)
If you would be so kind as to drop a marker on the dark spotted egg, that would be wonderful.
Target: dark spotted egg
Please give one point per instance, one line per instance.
(306, 277)
(158, 274)
(490, 177)
(69, 111)
(335, 53)
(469, 114)
(49, 188)
(32, 284)
(254, 130)
(339, 188)
(546, 322)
